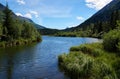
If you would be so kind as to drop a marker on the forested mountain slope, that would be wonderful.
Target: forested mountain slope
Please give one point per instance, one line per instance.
(2, 7)
(101, 22)
(15, 31)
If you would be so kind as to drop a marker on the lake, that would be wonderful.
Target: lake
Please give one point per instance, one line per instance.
(37, 61)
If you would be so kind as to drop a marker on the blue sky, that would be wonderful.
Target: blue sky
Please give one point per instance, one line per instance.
(57, 14)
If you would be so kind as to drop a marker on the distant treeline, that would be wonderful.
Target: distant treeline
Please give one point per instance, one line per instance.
(97, 29)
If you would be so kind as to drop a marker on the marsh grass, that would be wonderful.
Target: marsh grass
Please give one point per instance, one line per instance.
(18, 42)
(90, 61)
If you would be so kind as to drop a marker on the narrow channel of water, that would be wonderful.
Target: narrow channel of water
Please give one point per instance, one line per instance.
(37, 61)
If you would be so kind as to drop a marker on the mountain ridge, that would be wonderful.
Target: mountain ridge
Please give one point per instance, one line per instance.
(2, 7)
(102, 15)
(98, 24)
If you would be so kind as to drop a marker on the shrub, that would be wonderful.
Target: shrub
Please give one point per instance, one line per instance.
(2, 44)
(88, 49)
(75, 48)
(102, 70)
(90, 61)
(118, 46)
(116, 65)
(81, 66)
(111, 40)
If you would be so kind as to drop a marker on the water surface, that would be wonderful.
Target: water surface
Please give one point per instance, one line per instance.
(37, 61)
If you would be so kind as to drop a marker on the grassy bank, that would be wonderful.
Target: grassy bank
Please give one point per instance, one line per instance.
(90, 61)
(18, 42)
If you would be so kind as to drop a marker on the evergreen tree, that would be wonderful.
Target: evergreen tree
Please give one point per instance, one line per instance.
(114, 17)
(1, 30)
(8, 22)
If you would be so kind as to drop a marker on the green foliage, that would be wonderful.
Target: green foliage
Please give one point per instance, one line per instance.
(116, 65)
(90, 61)
(47, 31)
(8, 21)
(1, 17)
(2, 44)
(1, 29)
(118, 25)
(90, 31)
(17, 29)
(28, 30)
(93, 27)
(111, 40)
(118, 46)
(12, 30)
(88, 49)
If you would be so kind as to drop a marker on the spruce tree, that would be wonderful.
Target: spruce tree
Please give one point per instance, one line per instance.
(8, 22)
(1, 29)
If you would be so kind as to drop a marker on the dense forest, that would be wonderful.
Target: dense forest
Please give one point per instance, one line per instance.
(14, 31)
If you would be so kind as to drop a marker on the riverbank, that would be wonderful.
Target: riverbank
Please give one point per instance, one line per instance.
(78, 34)
(90, 61)
(18, 42)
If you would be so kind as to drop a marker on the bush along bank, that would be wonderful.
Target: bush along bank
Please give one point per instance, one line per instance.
(18, 42)
(91, 61)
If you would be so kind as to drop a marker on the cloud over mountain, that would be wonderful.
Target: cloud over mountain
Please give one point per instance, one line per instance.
(97, 4)
(21, 2)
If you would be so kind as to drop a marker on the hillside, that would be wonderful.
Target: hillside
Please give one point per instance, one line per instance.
(15, 31)
(101, 22)
(2, 7)
(29, 20)
(104, 14)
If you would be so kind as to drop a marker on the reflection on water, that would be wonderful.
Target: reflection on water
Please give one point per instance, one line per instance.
(8, 58)
(37, 61)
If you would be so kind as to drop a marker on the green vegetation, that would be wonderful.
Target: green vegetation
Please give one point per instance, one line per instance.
(16, 32)
(48, 31)
(90, 61)
(97, 28)
(112, 39)
(94, 61)
(80, 33)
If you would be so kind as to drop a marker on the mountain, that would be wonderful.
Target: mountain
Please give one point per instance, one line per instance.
(29, 20)
(2, 7)
(103, 15)
(101, 22)
(96, 26)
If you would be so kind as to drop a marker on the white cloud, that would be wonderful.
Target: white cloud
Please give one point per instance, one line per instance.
(34, 13)
(21, 2)
(18, 14)
(97, 4)
(28, 15)
(79, 18)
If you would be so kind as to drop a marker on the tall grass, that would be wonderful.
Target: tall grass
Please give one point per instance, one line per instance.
(90, 61)
(18, 42)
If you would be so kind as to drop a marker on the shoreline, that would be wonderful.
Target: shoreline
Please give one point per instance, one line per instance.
(18, 42)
